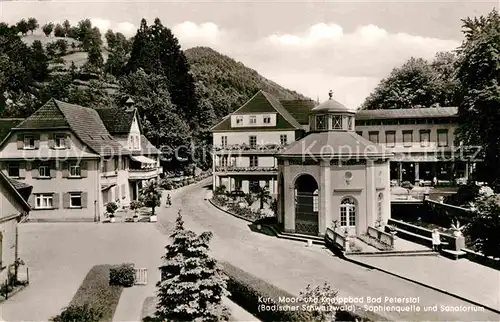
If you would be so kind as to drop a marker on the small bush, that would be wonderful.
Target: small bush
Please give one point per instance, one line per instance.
(111, 207)
(123, 275)
(79, 313)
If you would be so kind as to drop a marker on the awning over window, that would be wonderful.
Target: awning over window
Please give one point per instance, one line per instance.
(142, 159)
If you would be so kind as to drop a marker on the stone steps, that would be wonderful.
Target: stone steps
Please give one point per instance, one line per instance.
(317, 240)
(394, 254)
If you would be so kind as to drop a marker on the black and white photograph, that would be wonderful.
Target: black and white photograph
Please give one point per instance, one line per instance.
(241, 161)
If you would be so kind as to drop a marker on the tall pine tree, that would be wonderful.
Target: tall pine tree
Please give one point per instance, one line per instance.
(157, 50)
(193, 284)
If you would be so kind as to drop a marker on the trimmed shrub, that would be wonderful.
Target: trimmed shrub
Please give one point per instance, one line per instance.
(74, 313)
(95, 292)
(246, 290)
(123, 275)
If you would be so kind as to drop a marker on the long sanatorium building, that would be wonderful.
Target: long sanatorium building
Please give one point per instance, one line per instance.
(246, 142)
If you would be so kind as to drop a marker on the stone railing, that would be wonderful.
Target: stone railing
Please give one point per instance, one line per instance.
(381, 236)
(336, 239)
(243, 169)
(250, 148)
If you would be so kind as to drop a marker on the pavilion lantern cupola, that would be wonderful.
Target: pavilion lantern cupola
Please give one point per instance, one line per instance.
(331, 116)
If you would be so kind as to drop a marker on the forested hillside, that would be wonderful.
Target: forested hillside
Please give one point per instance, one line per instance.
(230, 83)
(179, 94)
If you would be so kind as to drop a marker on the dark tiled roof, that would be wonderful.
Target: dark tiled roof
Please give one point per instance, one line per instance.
(20, 190)
(261, 102)
(334, 144)
(6, 125)
(116, 120)
(46, 117)
(299, 109)
(83, 121)
(425, 112)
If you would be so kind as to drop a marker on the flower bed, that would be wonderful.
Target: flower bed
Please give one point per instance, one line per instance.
(171, 183)
(247, 213)
(95, 296)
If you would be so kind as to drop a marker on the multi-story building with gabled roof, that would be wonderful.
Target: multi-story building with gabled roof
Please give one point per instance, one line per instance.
(73, 162)
(246, 141)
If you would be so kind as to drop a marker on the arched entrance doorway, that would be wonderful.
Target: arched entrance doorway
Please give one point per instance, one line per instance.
(306, 205)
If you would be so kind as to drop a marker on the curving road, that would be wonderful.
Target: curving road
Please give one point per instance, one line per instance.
(291, 266)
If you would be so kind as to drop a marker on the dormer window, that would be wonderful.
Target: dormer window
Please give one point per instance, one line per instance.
(29, 142)
(253, 119)
(239, 120)
(59, 141)
(337, 122)
(267, 119)
(321, 122)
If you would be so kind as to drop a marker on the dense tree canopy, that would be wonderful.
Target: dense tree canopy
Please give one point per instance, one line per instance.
(479, 77)
(417, 83)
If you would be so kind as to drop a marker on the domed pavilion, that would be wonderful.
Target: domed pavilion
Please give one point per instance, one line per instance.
(333, 175)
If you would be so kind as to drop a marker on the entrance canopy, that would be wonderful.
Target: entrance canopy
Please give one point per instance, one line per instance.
(142, 159)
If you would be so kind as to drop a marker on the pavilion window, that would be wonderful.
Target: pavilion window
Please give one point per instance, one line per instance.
(321, 122)
(315, 201)
(425, 137)
(347, 212)
(337, 122)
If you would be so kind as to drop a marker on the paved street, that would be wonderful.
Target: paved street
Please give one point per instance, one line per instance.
(61, 254)
(291, 265)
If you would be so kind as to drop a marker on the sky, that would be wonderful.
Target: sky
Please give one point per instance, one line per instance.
(307, 46)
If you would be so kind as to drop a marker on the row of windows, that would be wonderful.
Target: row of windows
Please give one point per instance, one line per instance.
(51, 200)
(252, 140)
(408, 140)
(406, 121)
(224, 161)
(333, 122)
(32, 141)
(43, 170)
(252, 120)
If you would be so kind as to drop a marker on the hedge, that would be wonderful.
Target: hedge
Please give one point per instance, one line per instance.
(94, 296)
(246, 290)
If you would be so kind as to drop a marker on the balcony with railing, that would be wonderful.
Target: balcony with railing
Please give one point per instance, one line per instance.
(231, 169)
(144, 173)
(270, 148)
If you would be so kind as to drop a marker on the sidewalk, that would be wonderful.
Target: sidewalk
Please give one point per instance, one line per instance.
(462, 277)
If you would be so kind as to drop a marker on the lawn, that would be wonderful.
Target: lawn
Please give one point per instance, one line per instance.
(96, 292)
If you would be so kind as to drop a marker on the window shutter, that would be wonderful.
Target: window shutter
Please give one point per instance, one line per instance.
(67, 142)
(22, 170)
(31, 200)
(84, 200)
(65, 169)
(20, 141)
(51, 141)
(34, 170)
(37, 141)
(55, 200)
(83, 169)
(66, 200)
(53, 170)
